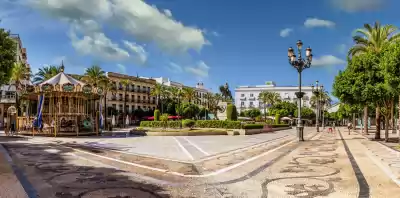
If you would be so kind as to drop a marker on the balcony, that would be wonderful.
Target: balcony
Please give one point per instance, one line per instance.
(120, 99)
(133, 100)
(120, 88)
(243, 98)
(133, 90)
(113, 98)
(252, 98)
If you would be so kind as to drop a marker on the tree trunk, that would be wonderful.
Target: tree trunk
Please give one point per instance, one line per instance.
(354, 122)
(366, 119)
(105, 110)
(265, 113)
(393, 124)
(378, 122)
(386, 128)
(124, 117)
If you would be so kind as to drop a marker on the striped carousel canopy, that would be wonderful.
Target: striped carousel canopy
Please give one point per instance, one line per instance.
(61, 79)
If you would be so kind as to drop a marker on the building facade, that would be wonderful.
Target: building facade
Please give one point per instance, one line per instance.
(199, 88)
(246, 97)
(137, 93)
(7, 92)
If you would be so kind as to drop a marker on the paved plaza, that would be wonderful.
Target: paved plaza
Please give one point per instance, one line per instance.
(264, 165)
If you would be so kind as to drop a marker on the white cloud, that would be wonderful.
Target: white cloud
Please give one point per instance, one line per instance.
(175, 68)
(214, 33)
(144, 22)
(358, 5)
(200, 69)
(94, 42)
(138, 50)
(121, 68)
(327, 60)
(286, 32)
(168, 13)
(315, 22)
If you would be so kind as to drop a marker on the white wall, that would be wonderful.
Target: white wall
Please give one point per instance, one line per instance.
(245, 96)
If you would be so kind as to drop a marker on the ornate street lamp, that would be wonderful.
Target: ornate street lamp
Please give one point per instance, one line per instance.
(300, 64)
(317, 91)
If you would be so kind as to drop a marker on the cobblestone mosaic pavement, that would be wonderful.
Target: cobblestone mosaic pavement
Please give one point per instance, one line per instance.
(327, 165)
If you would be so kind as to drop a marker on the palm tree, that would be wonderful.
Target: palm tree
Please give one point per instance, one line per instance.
(93, 75)
(20, 74)
(126, 84)
(158, 91)
(189, 94)
(268, 98)
(107, 85)
(373, 38)
(46, 73)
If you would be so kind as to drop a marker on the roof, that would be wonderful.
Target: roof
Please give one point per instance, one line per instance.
(60, 79)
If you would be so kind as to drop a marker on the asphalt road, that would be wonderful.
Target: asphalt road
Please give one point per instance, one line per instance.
(182, 148)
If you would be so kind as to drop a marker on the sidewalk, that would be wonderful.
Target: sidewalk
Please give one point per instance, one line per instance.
(329, 165)
(10, 186)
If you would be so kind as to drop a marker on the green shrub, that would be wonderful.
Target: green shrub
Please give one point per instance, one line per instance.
(218, 124)
(229, 110)
(253, 126)
(160, 124)
(164, 117)
(157, 115)
(188, 123)
(277, 119)
(234, 114)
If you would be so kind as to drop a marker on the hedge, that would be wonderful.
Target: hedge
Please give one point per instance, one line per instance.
(188, 123)
(253, 126)
(157, 115)
(218, 124)
(160, 124)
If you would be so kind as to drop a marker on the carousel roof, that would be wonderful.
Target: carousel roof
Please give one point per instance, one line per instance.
(61, 78)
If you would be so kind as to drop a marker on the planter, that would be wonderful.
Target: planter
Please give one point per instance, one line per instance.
(233, 132)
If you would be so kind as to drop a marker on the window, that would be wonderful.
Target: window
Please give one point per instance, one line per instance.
(251, 104)
(241, 95)
(241, 104)
(251, 95)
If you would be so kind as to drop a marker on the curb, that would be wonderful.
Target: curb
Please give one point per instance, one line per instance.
(26, 185)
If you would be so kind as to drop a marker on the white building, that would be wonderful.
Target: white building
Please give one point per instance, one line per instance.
(246, 97)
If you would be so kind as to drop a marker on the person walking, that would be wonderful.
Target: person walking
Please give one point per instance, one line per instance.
(349, 126)
(334, 126)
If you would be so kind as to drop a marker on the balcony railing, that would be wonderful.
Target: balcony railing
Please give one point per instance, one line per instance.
(114, 98)
(252, 98)
(7, 99)
(120, 99)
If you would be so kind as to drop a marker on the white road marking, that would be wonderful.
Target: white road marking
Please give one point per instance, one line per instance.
(183, 148)
(180, 174)
(197, 147)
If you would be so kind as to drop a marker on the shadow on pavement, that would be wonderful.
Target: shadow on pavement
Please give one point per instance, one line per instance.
(56, 172)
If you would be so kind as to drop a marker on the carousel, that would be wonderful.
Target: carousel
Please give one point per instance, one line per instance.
(65, 107)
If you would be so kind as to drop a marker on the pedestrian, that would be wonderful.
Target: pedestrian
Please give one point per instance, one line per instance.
(349, 126)
(334, 126)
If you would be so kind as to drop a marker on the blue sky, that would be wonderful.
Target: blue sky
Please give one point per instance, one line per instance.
(190, 41)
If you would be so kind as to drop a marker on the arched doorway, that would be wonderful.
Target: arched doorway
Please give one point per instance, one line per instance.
(11, 118)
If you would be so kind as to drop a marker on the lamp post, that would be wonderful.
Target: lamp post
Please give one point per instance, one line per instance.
(300, 64)
(317, 91)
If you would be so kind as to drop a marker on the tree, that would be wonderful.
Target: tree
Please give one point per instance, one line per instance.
(19, 76)
(391, 64)
(107, 85)
(284, 109)
(252, 113)
(212, 102)
(46, 73)
(157, 115)
(357, 84)
(268, 98)
(373, 39)
(189, 94)
(158, 91)
(7, 56)
(93, 75)
(125, 83)
(306, 113)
